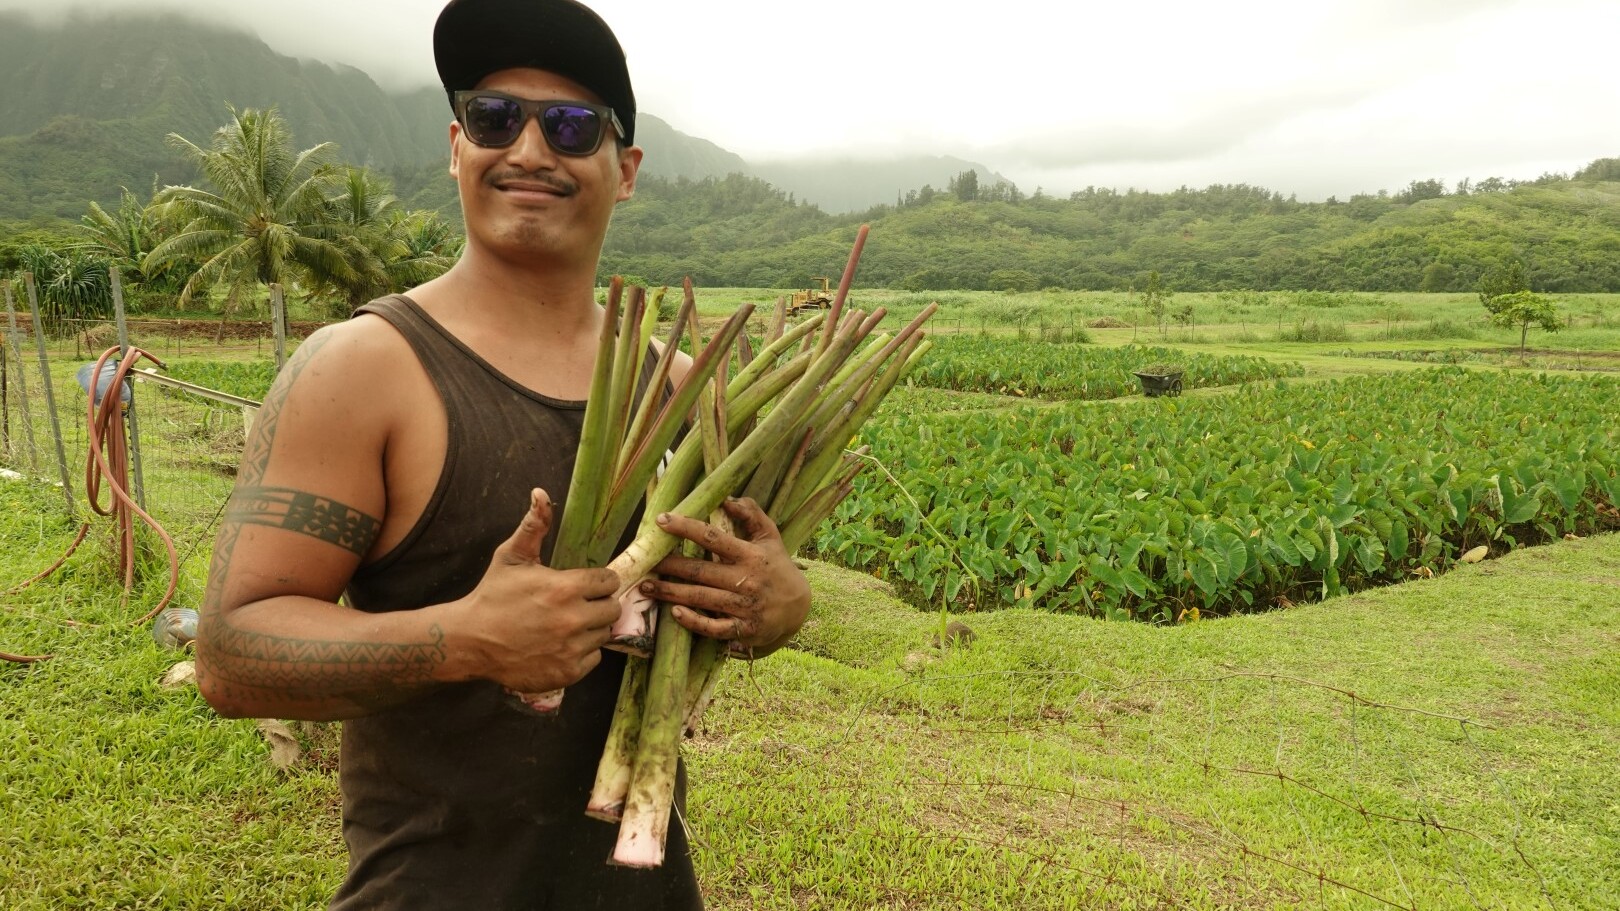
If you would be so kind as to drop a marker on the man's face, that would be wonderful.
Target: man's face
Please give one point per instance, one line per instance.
(525, 200)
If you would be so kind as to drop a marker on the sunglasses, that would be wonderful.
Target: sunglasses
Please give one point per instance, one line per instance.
(495, 120)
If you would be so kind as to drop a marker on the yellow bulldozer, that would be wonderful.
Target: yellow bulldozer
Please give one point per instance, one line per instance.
(812, 298)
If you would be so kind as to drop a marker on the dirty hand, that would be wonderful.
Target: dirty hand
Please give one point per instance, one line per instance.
(532, 628)
(754, 596)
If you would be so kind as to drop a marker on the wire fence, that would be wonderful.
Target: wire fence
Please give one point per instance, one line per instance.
(184, 442)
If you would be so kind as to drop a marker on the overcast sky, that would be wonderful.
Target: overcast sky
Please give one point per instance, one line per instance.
(1314, 97)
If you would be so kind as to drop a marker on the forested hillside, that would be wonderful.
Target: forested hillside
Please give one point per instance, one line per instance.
(1565, 229)
(87, 107)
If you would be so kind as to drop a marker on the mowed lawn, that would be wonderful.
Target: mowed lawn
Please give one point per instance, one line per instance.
(1448, 743)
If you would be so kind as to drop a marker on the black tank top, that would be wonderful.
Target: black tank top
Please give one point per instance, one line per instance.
(457, 800)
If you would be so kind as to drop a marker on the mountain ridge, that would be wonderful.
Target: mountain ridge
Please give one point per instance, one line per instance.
(143, 76)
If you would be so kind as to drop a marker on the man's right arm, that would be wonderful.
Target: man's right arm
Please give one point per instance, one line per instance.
(308, 506)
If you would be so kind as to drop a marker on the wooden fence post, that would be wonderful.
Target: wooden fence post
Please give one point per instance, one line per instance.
(22, 382)
(278, 320)
(50, 396)
(123, 354)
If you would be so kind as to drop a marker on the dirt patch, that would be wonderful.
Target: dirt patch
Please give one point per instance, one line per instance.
(142, 328)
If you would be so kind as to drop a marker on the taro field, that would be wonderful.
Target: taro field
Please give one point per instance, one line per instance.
(1169, 509)
(1038, 369)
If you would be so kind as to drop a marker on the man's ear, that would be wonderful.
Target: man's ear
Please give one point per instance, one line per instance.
(455, 147)
(629, 167)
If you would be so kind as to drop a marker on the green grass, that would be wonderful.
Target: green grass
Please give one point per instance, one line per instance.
(1057, 763)
(1064, 763)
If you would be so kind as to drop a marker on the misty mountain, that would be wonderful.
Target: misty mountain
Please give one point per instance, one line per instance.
(88, 104)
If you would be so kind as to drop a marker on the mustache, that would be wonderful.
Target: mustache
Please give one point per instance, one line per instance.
(546, 179)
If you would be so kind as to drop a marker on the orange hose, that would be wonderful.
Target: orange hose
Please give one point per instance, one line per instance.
(83, 530)
(106, 431)
(24, 659)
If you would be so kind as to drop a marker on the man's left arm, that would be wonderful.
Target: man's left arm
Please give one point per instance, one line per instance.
(753, 595)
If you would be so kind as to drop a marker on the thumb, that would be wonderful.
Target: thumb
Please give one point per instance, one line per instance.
(524, 545)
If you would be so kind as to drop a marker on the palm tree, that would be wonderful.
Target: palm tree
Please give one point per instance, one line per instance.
(266, 219)
(387, 248)
(124, 237)
(432, 246)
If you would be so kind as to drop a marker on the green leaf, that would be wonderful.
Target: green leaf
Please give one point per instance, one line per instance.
(1343, 514)
(1205, 575)
(1399, 539)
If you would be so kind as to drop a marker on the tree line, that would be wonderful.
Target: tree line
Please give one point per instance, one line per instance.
(1565, 229)
(263, 212)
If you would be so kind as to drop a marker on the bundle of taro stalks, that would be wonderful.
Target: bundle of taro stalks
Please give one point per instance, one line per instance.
(775, 431)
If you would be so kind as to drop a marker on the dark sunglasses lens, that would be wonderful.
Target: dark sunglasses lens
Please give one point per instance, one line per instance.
(493, 121)
(571, 129)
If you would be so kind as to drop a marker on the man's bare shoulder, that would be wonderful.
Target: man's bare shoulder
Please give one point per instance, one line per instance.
(681, 365)
(355, 357)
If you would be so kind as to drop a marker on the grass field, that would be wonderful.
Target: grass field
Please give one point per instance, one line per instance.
(1054, 763)
(1444, 743)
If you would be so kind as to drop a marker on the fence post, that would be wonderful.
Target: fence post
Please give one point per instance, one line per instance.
(50, 397)
(278, 321)
(123, 354)
(22, 383)
(5, 401)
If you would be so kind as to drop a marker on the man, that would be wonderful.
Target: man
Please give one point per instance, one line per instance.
(412, 458)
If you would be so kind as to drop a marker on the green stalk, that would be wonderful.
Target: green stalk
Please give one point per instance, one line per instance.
(645, 462)
(652, 787)
(574, 532)
(766, 359)
(777, 498)
(848, 278)
(712, 407)
(651, 402)
(708, 655)
(797, 530)
(618, 754)
(703, 673)
(596, 446)
(825, 461)
(779, 321)
(745, 352)
(649, 320)
(652, 543)
(622, 394)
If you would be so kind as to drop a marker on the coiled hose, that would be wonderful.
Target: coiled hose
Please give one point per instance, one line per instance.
(108, 462)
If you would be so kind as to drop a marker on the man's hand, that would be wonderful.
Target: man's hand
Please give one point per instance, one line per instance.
(754, 597)
(531, 628)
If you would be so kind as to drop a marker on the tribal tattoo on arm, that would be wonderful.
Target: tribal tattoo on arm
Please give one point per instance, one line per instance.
(288, 670)
(318, 517)
(365, 674)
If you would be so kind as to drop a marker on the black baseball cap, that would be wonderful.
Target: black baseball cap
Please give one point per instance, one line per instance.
(474, 38)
